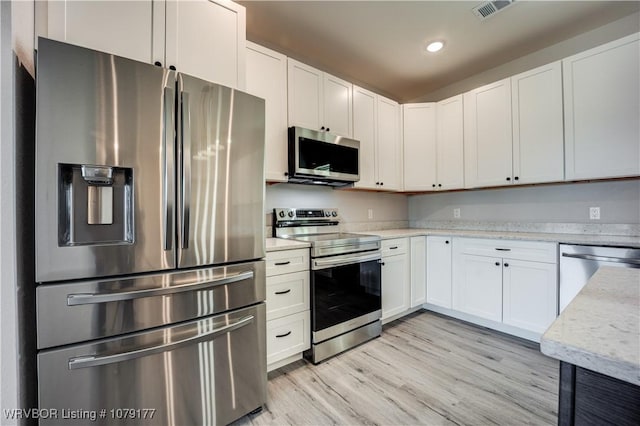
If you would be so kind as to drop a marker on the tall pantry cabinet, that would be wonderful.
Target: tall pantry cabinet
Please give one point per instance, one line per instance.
(204, 38)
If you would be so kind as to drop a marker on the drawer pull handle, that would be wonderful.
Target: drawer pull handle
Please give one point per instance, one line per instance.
(283, 292)
(503, 249)
(283, 335)
(393, 248)
(282, 263)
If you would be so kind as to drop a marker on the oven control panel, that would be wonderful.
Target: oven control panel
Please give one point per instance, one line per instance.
(296, 215)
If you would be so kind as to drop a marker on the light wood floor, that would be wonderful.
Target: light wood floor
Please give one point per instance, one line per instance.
(424, 369)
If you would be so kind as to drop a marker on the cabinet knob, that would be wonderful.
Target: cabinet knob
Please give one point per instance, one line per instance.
(439, 185)
(434, 185)
(381, 183)
(286, 173)
(377, 183)
(172, 67)
(157, 63)
(515, 178)
(446, 242)
(497, 263)
(508, 179)
(322, 128)
(506, 265)
(328, 129)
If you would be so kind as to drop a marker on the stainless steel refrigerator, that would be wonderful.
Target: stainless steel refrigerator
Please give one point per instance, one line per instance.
(149, 239)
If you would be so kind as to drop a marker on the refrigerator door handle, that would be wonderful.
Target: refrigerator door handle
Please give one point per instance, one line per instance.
(93, 298)
(94, 361)
(186, 168)
(168, 172)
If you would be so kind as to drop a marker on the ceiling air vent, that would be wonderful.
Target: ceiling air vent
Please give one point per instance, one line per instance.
(490, 8)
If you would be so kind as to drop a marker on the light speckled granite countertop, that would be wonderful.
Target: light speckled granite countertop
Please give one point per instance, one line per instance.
(600, 329)
(598, 239)
(278, 244)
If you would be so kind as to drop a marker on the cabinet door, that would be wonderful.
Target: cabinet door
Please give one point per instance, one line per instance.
(419, 139)
(601, 110)
(267, 78)
(450, 147)
(389, 147)
(529, 294)
(487, 135)
(364, 130)
(206, 39)
(305, 95)
(439, 271)
(477, 286)
(418, 270)
(338, 106)
(395, 285)
(133, 29)
(538, 138)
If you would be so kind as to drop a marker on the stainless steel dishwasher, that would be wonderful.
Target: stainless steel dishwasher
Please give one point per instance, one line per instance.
(579, 263)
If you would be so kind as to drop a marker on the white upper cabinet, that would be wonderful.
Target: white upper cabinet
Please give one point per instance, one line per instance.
(319, 101)
(364, 130)
(433, 145)
(602, 111)
(487, 135)
(538, 149)
(267, 78)
(419, 132)
(376, 124)
(133, 29)
(450, 143)
(200, 37)
(207, 39)
(389, 145)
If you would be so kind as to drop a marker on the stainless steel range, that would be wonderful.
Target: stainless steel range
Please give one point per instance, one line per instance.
(345, 280)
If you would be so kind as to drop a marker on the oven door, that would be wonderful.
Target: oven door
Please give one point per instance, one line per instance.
(344, 288)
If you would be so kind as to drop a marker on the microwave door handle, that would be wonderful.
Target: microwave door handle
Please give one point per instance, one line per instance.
(623, 260)
(94, 361)
(167, 170)
(186, 168)
(95, 298)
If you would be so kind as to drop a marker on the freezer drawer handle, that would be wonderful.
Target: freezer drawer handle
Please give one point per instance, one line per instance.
(94, 361)
(625, 260)
(92, 298)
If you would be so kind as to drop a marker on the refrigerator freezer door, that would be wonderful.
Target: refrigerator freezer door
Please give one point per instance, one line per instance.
(86, 310)
(221, 195)
(204, 372)
(104, 165)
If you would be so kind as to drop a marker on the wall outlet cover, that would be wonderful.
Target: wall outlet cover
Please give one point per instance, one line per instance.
(594, 213)
(370, 213)
(456, 213)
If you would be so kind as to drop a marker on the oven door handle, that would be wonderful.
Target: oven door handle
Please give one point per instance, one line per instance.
(331, 262)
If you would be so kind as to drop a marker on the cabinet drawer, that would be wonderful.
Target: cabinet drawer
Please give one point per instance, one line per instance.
(394, 246)
(534, 251)
(286, 261)
(287, 294)
(288, 336)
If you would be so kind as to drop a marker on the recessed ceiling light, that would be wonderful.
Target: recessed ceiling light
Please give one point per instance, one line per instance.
(435, 46)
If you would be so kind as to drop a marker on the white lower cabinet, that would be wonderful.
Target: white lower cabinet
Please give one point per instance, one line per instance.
(396, 284)
(418, 271)
(512, 284)
(288, 308)
(439, 271)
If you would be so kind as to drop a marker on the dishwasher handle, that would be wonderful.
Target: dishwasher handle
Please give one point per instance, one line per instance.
(613, 259)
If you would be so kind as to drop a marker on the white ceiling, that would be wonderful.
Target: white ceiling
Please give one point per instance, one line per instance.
(380, 44)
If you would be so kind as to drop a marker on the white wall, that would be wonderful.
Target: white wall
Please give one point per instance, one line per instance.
(353, 205)
(619, 203)
(612, 31)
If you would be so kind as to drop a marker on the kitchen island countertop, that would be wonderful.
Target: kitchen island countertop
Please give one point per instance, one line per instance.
(600, 329)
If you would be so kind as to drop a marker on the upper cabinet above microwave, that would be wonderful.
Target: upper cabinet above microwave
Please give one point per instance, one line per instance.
(202, 38)
(318, 100)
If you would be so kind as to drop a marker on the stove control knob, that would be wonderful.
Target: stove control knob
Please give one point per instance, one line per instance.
(327, 213)
(281, 214)
(334, 213)
(290, 214)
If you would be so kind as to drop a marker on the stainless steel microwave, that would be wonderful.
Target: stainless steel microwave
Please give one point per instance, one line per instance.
(321, 158)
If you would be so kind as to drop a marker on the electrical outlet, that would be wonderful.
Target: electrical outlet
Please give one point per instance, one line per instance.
(594, 213)
(370, 213)
(456, 213)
